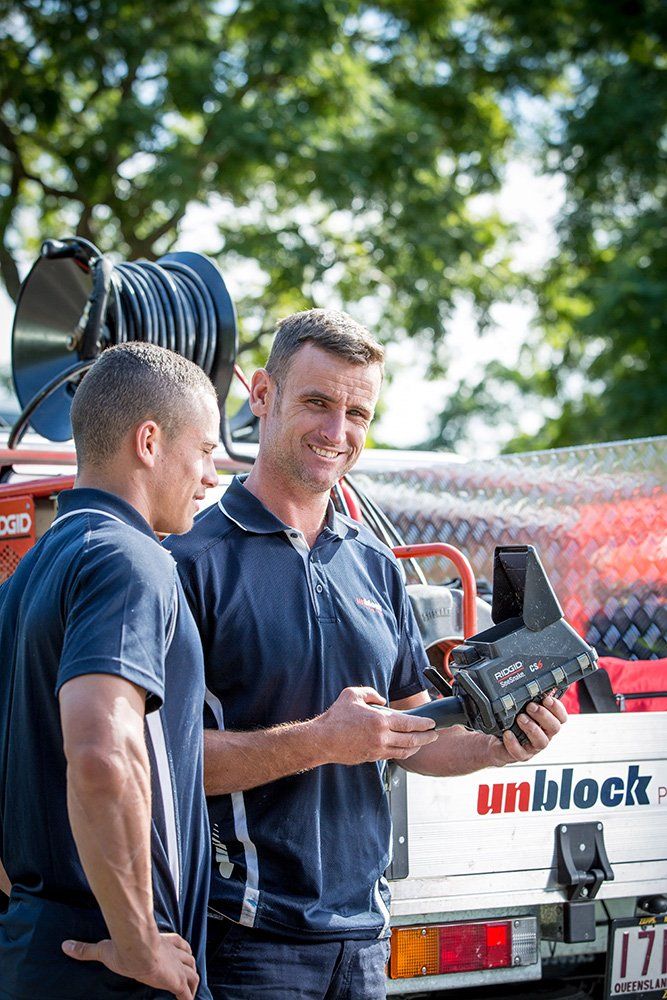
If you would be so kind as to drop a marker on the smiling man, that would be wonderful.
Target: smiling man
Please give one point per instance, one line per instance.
(306, 625)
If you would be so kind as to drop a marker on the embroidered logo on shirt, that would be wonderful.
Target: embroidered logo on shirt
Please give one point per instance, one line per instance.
(365, 602)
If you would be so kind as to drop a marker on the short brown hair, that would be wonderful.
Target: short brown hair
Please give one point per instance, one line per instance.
(329, 329)
(130, 383)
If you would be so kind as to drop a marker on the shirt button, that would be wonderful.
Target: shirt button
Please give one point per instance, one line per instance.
(319, 588)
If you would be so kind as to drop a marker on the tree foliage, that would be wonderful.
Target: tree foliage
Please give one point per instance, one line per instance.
(336, 142)
(598, 355)
(340, 147)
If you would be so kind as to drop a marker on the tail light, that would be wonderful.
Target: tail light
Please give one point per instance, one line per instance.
(444, 949)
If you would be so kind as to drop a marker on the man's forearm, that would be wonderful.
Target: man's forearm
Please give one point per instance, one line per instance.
(109, 804)
(351, 731)
(456, 751)
(235, 761)
(109, 810)
(461, 751)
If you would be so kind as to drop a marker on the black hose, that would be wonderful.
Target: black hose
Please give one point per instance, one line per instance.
(169, 305)
(339, 501)
(180, 303)
(23, 420)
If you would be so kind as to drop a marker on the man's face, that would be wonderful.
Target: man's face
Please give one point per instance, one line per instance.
(186, 468)
(315, 427)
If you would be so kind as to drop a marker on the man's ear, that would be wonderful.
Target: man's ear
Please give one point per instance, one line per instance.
(146, 442)
(261, 388)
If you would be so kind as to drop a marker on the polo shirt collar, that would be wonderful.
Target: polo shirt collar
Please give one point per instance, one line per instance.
(244, 509)
(82, 499)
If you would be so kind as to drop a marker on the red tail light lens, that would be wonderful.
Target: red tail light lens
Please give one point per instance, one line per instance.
(444, 949)
(466, 947)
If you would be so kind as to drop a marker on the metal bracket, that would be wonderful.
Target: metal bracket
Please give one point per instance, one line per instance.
(582, 859)
(582, 868)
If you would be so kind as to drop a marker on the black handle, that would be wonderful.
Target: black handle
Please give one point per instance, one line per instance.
(446, 712)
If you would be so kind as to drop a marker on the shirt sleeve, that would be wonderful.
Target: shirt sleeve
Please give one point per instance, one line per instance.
(408, 674)
(192, 589)
(120, 611)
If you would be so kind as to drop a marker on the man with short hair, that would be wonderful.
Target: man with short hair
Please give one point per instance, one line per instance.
(306, 625)
(103, 827)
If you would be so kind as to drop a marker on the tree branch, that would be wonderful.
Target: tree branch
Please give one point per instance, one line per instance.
(8, 269)
(83, 226)
(48, 188)
(144, 247)
(8, 139)
(9, 273)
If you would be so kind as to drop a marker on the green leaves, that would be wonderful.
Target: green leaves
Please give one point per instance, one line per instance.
(598, 355)
(341, 147)
(340, 141)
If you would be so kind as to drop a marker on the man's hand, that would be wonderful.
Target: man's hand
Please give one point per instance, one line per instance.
(170, 966)
(463, 751)
(353, 732)
(540, 723)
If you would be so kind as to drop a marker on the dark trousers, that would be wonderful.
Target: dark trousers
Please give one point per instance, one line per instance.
(247, 964)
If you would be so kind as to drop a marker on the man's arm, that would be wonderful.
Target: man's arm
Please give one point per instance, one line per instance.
(460, 751)
(349, 732)
(109, 806)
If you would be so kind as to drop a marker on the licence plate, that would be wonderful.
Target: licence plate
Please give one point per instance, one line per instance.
(637, 960)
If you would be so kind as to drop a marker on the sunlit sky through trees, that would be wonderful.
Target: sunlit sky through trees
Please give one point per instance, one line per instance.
(482, 183)
(530, 202)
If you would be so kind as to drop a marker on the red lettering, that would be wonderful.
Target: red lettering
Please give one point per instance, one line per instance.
(514, 792)
(489, 800)
(650, 938)
(624, 954)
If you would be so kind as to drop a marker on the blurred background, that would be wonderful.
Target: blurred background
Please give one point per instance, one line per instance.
(481, 183)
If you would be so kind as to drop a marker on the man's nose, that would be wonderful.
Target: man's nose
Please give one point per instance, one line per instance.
(334, 426)
(210, 476)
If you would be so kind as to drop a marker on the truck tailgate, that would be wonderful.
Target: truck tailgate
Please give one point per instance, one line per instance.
(488, 839)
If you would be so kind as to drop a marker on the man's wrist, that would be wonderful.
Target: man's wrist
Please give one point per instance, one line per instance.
(495, 755)
(313, 742)
(137, 940)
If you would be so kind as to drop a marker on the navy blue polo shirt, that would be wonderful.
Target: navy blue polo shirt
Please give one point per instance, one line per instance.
(97, 594)
(284, 629)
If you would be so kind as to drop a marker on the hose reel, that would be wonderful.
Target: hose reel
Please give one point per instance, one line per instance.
(75, 303)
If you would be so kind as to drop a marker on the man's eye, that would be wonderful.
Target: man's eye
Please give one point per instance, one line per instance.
(317, 402)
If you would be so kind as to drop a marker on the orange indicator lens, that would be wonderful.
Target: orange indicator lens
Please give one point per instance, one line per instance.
(414, 952)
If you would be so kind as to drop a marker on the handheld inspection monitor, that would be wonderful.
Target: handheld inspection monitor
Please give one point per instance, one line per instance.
(528, 652)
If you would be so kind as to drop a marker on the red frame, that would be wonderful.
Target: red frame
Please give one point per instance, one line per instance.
(465, 571)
